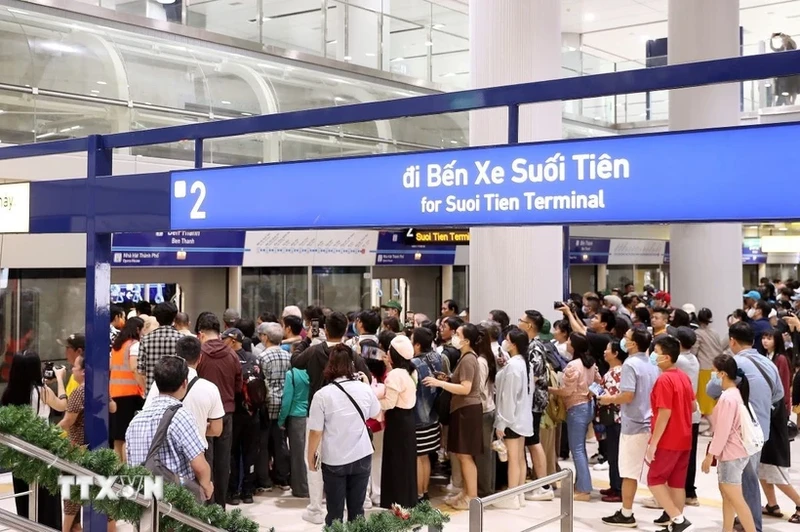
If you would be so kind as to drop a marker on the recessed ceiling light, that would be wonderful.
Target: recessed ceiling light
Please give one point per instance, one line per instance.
(397, 59)
(334, 41)
(266, 19)
(347, 58)
(102, 83)
(438, 26)
(588, 17)
(370, 54)
(247, 114)
(428, 43)
(95, 91)
(453, 142)
(226, 102)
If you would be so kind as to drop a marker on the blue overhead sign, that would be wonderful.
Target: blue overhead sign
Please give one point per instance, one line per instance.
(178, 248)
(675, 177)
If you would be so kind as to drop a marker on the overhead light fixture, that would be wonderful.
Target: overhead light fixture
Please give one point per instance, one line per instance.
(438, 26)
(166, 2)
(95, 91)
(2, 111)
(334, 41)
(225, 102)
(17, 11)
(102, 83)
(396, 59)
(266, 19)
(369, 54)
(347, 58)
(784, 228)
(246, 114)
(338, 99)
(45, 135)
(428, 43)
(588, 17)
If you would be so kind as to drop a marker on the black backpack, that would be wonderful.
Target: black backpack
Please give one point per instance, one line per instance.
(254, 386)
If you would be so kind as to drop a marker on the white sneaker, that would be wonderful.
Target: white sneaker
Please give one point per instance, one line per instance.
(522, 503)
(651, 502)
(367, 503)
(452, 489)
(540, 494)
(316, 518)
(508, 504)
(601, 466)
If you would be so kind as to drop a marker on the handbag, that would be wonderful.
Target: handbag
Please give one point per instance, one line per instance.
(358, 409)
(792, 429)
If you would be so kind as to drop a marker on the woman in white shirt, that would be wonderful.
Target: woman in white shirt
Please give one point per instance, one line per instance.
(514, 419)
(339, 440)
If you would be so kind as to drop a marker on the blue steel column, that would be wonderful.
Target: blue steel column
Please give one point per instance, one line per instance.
(565, 260)
(98, 290)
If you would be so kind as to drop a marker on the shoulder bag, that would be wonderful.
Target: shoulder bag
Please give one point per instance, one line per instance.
(358, 409)
(154, 464)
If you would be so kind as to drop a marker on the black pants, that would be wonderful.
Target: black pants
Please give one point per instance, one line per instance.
(278, 451)
(218, 456)
(612, 455)
(563, 453)
(244, 451)
(49, 511)
(691, 472)
(346, 483)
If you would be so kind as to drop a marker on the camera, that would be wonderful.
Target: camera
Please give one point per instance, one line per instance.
(558, 304)
(315, 328)
(49, 373)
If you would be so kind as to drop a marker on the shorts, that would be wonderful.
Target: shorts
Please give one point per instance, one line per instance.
(537, 429)
(511, 435)
(669, 467)
(632, 448)
(429, 439)
(465, 433)
(770, 474)
(127, 407)
(730, 471)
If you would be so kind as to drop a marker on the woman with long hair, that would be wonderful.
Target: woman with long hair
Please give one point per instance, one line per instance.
(399, 463)
(464, 438)
(26, 388)
(771, 470)
(126, 383)
(487, 364)
(338, 437)
(727, 446)
(578, 375)
(609, 417)
(514, 419)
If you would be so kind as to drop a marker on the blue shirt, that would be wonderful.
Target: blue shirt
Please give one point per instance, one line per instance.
(638, 376)
(181, 446)
(424, 413)
(763, 393)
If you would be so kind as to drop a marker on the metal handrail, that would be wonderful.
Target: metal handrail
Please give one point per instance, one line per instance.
(31, 450)
(477, 505)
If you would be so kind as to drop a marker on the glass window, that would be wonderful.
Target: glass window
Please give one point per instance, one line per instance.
(461, 286)
(343, 289)
(618, 276)
(272, 289)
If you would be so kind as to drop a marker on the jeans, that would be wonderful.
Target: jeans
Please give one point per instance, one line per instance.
(346, 483)
(218, 456)
(612, 455)
(273, 447)
(691, 473)
(751, 489)
(296, 431)
(244, 450)
(315, 485)
(485, 461)
(578, 419)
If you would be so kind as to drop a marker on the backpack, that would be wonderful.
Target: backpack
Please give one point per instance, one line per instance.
(555, 410)
(254, 386)
(553, 357)
(153, 461)
(752, 435)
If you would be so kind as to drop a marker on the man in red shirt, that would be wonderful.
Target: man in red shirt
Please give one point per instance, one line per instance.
(672, 401)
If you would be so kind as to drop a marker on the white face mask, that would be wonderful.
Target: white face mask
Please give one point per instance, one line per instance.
(751, 312)
(506, 346)
(457, 342)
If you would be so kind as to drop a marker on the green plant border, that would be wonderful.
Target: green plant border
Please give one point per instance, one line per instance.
(422, 515)
(22, 422)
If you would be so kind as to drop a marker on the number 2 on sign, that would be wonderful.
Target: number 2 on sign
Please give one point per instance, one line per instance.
(199, 188)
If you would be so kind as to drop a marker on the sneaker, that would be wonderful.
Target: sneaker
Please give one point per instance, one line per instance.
(620, 520)
(594, 459)
(316, 518)
(685, 526)
(263, 491)
(508, 504)
(247, 499)
(602, 466)
(285, 487)
(234, 500)
(612, 497)
(664, 519)
(521, 498)
(367, 503)
(652, 503)
(540, 494)
(692, 501)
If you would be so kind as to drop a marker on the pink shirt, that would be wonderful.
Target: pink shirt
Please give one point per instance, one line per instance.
(401, 390)
(577, 379)
(727, 423)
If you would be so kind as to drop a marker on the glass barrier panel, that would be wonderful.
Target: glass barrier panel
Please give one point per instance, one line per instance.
(64, 118)
(273, 289)
(294, 26)
(17, 118)
(241, 19)
(345, 288)
(150, 119)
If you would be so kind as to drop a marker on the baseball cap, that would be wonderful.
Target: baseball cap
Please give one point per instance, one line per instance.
(230, 315)
(544, 334)
(392, 303)
(753, 294)
(403, 346)
(74, 341)
(234, 333)
(689, 308)
(663, 296)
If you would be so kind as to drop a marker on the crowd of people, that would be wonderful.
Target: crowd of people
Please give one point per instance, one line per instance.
(355, 410)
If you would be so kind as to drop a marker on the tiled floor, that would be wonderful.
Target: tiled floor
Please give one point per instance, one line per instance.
(283, 511)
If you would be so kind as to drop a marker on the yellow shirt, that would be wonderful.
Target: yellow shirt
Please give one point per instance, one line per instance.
(72, 385)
